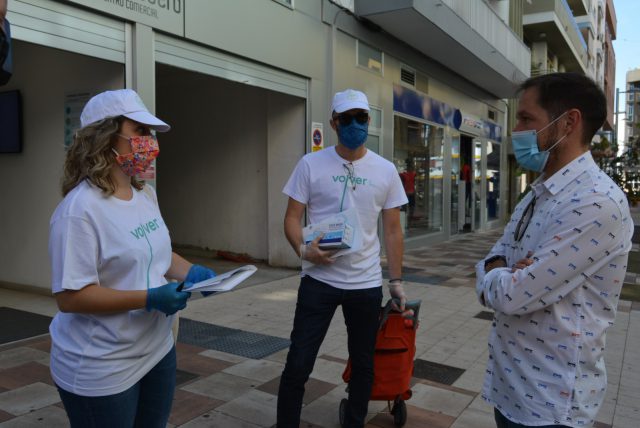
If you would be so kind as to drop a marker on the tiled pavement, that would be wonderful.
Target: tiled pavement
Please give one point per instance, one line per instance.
(222, 389)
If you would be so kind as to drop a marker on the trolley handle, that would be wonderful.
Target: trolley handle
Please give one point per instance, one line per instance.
(411, 304)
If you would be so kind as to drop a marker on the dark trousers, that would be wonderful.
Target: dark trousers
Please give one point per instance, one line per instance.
(317, 302)
(503, 422)
(146, 404)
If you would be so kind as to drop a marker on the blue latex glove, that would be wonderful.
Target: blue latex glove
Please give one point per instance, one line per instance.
(167, 298)
(199, 273)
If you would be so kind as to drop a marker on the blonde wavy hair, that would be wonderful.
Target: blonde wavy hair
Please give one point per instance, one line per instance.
(90, 157)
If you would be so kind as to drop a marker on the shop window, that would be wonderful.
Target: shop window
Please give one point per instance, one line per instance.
(418, 155)
(370, 57)
(493, 180)
(375, 130)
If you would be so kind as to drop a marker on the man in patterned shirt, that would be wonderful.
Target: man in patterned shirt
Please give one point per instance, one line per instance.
(555, 275)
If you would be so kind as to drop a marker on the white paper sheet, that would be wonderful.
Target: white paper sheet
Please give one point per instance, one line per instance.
(225, 281)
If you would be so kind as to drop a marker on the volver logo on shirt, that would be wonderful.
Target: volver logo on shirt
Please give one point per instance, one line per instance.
(353, 181)
(145, 229)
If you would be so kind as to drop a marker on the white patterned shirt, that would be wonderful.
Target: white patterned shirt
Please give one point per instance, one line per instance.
(546, 346)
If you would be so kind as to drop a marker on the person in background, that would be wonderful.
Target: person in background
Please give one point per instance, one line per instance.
(554, 277)
(408, 178)
(113, 356)
(325, 183)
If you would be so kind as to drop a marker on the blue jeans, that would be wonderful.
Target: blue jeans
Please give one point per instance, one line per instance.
(317, 302)
(146, 404)
(503, 422)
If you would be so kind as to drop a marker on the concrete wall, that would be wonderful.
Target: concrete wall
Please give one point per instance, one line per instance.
(30, 181)
(215, 185)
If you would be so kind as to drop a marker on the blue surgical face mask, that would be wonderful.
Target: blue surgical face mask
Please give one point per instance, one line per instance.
(526, 150)
(353, 135)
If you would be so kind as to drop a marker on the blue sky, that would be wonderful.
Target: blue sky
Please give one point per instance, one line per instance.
(627, 43)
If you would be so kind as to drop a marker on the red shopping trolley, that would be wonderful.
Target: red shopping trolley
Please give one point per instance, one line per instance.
(393, 361)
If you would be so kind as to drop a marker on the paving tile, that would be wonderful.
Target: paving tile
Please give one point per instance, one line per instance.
(439, 400)
(25, 374)
(28, 398)
(215, 419)
(188, 406)
(416, 418)
(334, 359)
(623, 422)
(601, 425)
(21, 355)
(324, 411)
(258, 370)
(4, 416)
(328, 371)
(474, 418)
(186, 348)
(184, 377)
(19, 324)
(43, 345)
(314, 388)
(256, 407)
(221, 386)
(224, 356)
(451, 388)
(441, 373)
(51, 416)
(201, 365)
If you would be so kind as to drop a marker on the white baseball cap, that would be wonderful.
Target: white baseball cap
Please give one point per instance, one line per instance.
(121, 102)
(349, 99)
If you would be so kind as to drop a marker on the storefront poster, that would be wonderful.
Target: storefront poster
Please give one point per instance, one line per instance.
(73, 105)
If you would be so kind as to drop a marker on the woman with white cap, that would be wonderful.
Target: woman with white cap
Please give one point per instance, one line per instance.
(113, 356)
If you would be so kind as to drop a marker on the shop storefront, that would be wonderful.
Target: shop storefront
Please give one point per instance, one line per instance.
(449, 163)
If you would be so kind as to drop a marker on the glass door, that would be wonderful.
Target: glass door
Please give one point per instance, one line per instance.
(477, 201)
(457, 197)
(493, 181)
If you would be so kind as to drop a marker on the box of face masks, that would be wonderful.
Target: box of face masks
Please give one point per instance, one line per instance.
(337, 234)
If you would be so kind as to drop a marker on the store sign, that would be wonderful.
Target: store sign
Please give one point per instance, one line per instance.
(317, 139)
(423, 107)
(167, 15)
(470, 123)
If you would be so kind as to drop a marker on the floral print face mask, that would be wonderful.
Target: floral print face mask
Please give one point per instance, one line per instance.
(144, 149)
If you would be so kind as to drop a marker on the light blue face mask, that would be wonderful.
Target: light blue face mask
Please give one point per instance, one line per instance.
(526, 150)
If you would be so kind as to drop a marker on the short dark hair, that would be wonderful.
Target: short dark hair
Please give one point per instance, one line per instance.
(559, 92)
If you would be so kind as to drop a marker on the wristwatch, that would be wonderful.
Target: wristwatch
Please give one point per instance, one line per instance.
(494, 259)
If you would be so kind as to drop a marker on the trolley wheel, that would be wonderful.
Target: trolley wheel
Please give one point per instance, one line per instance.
(399, 412)
(342, 411)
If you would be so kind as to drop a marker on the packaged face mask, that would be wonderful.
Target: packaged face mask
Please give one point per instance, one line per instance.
(337, 235)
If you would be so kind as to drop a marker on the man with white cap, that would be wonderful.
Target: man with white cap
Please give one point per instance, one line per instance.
(113, 356)
(325, 183)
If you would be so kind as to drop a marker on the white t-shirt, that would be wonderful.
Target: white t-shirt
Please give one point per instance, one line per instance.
(118, 244)
(322, 182)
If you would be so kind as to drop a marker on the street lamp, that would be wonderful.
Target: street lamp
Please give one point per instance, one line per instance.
(617, 112)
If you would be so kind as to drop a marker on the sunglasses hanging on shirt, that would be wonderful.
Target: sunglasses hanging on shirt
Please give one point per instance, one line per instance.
(524, 221)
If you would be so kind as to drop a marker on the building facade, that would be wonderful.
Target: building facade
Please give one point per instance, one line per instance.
(574, 35)
(632, 106)
(246, 86)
